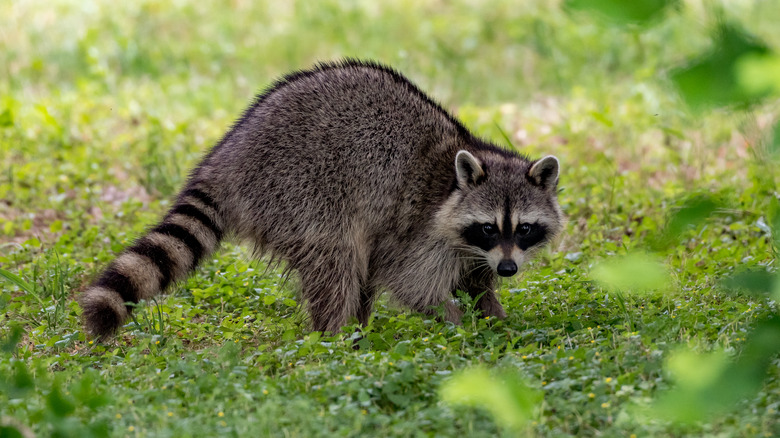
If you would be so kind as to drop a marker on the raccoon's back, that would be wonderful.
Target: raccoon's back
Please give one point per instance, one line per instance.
(329, 145)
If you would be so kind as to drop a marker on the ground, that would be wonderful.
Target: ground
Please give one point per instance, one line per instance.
(105, 105)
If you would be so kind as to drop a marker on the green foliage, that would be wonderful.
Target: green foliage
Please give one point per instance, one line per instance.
(754, 282)
(759, 74)
(509, 399)
(735, 72)
(691, 214)
(624, 12)
(711, 384)
(635, 272)
(105, 105)
(714, 80)
(50, 280)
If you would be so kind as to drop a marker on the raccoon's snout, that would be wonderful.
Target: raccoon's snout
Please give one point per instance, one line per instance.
(506, 268)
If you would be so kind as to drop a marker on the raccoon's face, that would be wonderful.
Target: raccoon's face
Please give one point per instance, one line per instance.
(504, 208)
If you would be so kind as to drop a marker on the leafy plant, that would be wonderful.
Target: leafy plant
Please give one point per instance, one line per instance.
(49, 288)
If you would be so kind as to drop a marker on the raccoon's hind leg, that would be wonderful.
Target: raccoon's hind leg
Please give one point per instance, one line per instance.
(367, 298)
(331, 285)
(189, 232)
(482, 281)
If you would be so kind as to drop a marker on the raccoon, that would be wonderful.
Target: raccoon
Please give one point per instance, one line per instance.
(361, 183)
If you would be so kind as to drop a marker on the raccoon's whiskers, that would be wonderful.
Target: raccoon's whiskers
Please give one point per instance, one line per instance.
(478, 267)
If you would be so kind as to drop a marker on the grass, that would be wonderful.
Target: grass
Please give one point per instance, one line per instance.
(105, 105)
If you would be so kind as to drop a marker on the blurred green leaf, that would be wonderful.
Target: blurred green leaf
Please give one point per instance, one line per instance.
(506, 396)
(776, 291)
(85, 393)
(5, 298)
(58, 403)
(10, 432)
(56, 226)
(6, 118)
(623, 12)
(48, 119)
(709, 384)
(692, 373)
(692, 213)
(9, 344)
(712, 80)
(759, 73)
(20, 382)
(636, 272)
(752, 282)
(99, 428)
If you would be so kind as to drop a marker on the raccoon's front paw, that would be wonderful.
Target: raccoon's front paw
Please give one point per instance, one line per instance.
(452, 313)
(495, 312)
(490, 306)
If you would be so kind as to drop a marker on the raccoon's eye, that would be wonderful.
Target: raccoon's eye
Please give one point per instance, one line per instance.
(489, 229)
(524, 229)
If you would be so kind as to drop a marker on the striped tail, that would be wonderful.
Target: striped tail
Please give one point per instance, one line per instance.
(190, 231)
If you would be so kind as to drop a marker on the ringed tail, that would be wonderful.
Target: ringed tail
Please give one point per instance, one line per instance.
(167, 253)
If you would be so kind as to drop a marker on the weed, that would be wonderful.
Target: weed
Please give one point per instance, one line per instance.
(49, 287)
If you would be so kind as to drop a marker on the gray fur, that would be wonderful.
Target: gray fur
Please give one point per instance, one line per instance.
(348, 173)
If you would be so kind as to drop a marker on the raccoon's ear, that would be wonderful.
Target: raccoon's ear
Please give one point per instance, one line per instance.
(544, 172)
(468, 169)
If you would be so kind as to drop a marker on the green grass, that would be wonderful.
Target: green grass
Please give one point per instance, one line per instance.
(105, 105)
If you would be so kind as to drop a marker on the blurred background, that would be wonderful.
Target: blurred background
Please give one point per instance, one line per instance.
(123, 77)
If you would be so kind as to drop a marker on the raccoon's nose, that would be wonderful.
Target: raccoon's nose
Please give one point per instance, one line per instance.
(506, 268)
